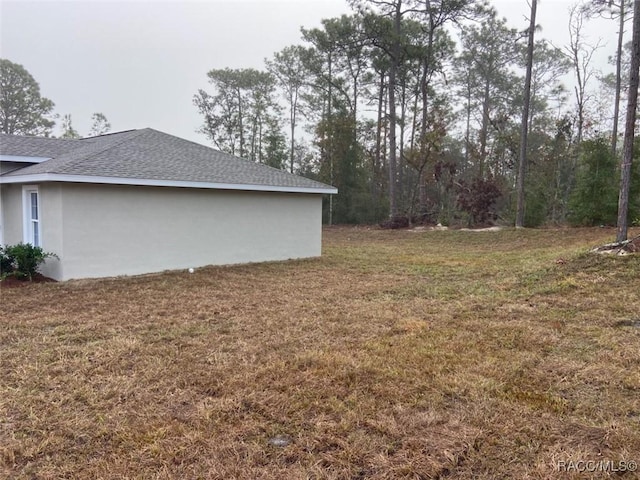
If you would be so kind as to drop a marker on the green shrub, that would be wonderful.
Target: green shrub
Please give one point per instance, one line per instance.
(6, 262)
(25, 259)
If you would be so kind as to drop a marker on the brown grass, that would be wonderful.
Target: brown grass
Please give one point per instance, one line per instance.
(397, 354)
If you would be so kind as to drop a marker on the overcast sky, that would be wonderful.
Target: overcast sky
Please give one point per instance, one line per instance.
(141, 62)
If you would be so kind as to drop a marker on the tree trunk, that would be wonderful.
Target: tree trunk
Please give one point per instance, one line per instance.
(467, 136)
(330, 125)
(616, 105)
(240, 125)
(378, 153)
(627, 153)
(580, 100)
(484, 131)
(393, 68)
(424, 82)
(414, 120)
(293, 114)
(424, 86)
(525, 119)
(402, 170)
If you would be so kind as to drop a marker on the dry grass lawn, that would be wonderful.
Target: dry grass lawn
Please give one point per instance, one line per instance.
(398, 354)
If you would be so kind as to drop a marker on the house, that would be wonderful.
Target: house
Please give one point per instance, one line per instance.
(143, 201)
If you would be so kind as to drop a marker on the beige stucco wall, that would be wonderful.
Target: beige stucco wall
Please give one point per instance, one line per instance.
(11, 213)
(108, 230)
(12, 218)
(51, 227)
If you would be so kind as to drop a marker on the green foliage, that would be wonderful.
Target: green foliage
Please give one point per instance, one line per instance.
(594, 200)
(536, 206)
(275, 148)
(634, 188)
(6, 262)
(23, 111)
(241, 113)
(550, 174)
(342, 167)
(23, 260)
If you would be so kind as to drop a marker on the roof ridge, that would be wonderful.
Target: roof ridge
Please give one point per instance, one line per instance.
(111, 133)
(184, 139)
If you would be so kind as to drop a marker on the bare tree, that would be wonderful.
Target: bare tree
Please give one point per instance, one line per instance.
(632, 105)
(581, 54)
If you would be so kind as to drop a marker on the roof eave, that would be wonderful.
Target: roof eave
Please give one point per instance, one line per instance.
(56, 177)
(23, 159)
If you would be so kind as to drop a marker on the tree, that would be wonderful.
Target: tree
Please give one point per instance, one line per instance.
(581, 55)
(385, 32)
(627, 154)
(593, 201)
(335, 63)
(23, 111)
(288, 68)
(437, 14)
(549, 163)
(522, 165)
(100, 125)
(550, 65)
(275, 146)
(350, 206)
(549, 171)
(242, 112)
(615, 10)
(489, 52)
(67, 128)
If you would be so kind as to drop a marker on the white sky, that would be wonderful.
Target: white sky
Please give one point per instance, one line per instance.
(141, 62)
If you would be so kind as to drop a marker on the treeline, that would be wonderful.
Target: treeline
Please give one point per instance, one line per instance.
(413, 110)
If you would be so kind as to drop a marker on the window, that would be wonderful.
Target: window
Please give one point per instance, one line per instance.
(1, 221)
(32, 214)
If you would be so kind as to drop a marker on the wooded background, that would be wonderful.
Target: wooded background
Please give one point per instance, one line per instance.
(413, 109)
(426, 111)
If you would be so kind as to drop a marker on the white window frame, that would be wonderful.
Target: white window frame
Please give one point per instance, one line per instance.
(1, 221)
(28, 221)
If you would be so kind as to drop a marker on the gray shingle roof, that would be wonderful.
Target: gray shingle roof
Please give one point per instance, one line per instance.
(37, 146)
(147, 154)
